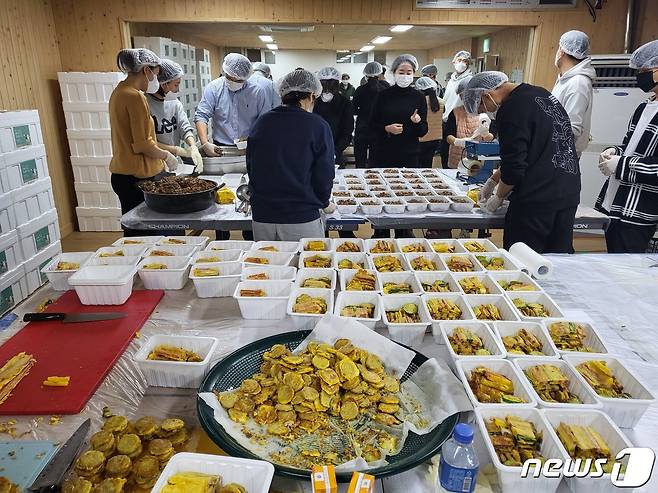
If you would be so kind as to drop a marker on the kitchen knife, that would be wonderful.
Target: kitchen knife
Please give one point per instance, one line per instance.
(56, 468)
(68, 318)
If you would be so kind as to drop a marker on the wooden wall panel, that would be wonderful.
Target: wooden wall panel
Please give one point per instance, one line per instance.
(647, 22)
(30, 60)
(448, 50)
(512, 47)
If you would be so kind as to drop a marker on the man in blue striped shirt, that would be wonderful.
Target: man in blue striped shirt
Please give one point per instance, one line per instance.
(232, 103)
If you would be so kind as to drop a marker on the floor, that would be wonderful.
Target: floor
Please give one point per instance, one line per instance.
(88, 241)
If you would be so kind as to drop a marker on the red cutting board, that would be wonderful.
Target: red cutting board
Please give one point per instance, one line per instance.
(85, 351)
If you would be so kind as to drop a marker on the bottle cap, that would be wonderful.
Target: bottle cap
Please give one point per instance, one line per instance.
(463, 433)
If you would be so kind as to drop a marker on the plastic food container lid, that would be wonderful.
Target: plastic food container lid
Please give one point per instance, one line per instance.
(105, 275)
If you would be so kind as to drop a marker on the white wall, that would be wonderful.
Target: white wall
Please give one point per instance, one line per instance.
(314, 60)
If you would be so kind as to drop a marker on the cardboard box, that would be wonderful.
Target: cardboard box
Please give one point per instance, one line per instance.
(361, 483)
(323, 479)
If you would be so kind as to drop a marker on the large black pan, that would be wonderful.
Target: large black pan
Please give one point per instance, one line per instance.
(181, 203)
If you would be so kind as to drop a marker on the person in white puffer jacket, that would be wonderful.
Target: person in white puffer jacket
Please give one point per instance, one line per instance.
(573, 88)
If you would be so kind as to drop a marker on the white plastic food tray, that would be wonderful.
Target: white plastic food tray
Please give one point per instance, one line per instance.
(230, 245)
(370, 244)
(305, 241)
(346, 298)
(346, 276)
(510, 264)
(509, 477)
(404, 242)
(428, 277)
(453, 243)
(410, 257)
(221, 286)
(624, 412)
(487, 281)
(197, 241)
(304, 255)
(177, 250)
(173, 277)
(281, 246)
(128, 251)
(360, 258)
(304, 273)
(409, 334)
(482, 330)
(532, 297)
(220, 255)
(505, 368)
(592, 338)
(176, 374)
(304, 321)
(504, 305)
(403, 261)
(254, 475)
(143, 241)
(104, 284)
(514, 276)
(337, 242)
(59, 279)
(272, 306)
(487, 244)
(446, 258)
(399, 277)
(274, 272)
(504, 329)
(273, 258)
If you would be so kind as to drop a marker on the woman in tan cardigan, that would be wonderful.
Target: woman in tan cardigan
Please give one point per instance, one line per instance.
(135, 153)
(429, 143)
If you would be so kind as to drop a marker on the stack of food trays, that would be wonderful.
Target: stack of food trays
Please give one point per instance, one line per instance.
(393, 191)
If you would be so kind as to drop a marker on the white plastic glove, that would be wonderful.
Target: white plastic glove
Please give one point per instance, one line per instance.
(330, 209)
(607, 154)
(483, 128)
(210, 149)
(181, 152)
(493, 204)
(171, 162)
(196, 159)
(487, 190)
(459, 143)
(609, 166)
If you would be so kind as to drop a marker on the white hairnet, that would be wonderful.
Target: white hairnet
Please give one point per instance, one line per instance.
(646, 56)
(575, 43)
(430, 70)
(134, 60)
(237, 66)
(300, 81)
(462, 54)
(425, 83)
(328, 73)
(478, 85)
(373, 69)
(462, 85)
(406, 58)
(262, 67)
(169, 70)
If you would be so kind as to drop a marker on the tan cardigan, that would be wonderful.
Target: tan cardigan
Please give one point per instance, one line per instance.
(132, 133)
(434, 122)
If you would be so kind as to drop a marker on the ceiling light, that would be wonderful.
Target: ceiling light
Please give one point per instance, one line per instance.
(401, 28)
(272, 46)
(342, 51)
(380, 40)
(357, 53)
(266, 39)
(368, 48)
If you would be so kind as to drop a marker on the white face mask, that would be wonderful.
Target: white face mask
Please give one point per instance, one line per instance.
(345, 82)
(492, 114)
(403, 80)
(326, 97)
(234, 86)
(460, 67)
(171, 96)
(154, 85)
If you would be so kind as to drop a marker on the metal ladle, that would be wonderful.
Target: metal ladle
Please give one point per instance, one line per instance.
(242, 193)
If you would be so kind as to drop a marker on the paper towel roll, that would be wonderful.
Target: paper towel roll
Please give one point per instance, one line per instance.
(533, 263)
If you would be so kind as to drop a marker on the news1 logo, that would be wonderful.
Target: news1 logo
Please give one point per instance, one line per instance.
(637, 472)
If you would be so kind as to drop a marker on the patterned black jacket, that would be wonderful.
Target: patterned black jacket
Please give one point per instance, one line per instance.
(636, 200)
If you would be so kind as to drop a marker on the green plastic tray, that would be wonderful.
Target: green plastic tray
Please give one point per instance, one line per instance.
(229, 373)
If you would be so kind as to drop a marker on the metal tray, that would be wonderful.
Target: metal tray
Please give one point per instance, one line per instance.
(222, 165)
(229, 373)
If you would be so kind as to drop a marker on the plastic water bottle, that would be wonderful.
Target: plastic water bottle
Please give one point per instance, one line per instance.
(459, 464)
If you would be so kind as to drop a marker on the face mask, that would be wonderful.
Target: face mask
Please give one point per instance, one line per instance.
(327, 96)
(171, 96)
(492, 114)
(234, 86)
(154, 85)
(460, 67)
(645, 81)
(403, 80)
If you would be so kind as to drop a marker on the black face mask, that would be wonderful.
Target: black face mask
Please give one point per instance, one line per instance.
(645, 81)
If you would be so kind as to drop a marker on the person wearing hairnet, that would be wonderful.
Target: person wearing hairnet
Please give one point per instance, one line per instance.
(135, 151)
(630, 195)
(429, 142)
(364, 97)
(290, 160)
(262, 76)
(462, 62)
(398, 119)
(432, 71)
(573, 88)
(346, 89)
(232, 102)
(539, 171)
(171, 123)
(336, 110)
(462, 126)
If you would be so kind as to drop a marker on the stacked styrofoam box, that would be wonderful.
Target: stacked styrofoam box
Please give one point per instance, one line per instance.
(158, 45)
(29, 231)
(85, 100)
